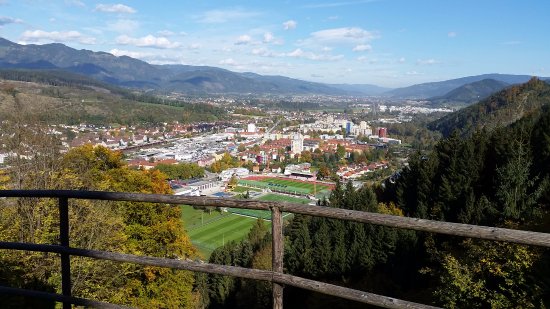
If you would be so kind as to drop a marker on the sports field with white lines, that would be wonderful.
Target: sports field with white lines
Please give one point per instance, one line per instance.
(209, 231)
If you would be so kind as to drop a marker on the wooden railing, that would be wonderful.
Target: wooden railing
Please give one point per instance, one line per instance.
(275, 276)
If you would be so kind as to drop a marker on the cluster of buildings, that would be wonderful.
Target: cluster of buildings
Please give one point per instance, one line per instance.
(339, 126)
(352, 172)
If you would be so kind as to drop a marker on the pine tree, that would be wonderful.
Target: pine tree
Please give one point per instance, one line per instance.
(321, 246)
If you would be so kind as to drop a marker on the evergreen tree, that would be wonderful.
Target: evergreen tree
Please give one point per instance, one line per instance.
(321, 246)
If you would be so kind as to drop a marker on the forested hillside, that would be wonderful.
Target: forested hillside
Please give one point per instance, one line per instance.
(469, 93)
(498, 178)
(500, 109)
(71, 99)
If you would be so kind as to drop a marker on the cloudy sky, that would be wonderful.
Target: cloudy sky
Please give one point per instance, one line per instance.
(383, 42)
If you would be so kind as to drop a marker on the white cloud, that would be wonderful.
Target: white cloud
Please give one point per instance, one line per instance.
(452, 34)
(115, 8)
(299, 53)
(123, 25)
(195, 46)
(290, 24)
(243, 40)
(362, 47)
(166, 33)
(413, 73)
(426, 61)
(401, 60)
(326, 48)
(333, 17)
(40, 36)
(268, 37)
(362, 58)
(151, 57)
(263, 52)
(133, 54)
(351, 34)
(296, 53)
(4, 20)
(224, 16)
(229, 61)
(147, 41)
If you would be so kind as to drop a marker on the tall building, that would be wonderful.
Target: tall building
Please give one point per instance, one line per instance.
(349, 127)
(297, 145)
(251, 128)
(382, 132)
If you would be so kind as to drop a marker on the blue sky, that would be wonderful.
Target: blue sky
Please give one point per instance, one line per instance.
(384, 42)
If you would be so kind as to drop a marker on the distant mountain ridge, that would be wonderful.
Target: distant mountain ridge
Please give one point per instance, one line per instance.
(470, 93)
(130, 72)
(435, 89)
(500, 109)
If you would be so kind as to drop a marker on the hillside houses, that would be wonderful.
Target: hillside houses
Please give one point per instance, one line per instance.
(352, 172)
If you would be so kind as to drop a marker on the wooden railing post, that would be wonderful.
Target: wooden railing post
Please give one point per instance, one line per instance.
(277, 255)
(65, 257)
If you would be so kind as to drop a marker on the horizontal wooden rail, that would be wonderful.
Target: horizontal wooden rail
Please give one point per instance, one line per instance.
(247, 273)
(449, 228)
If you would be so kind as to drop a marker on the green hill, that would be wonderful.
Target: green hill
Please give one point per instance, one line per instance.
(58, 97)
(470, 93)
(500, 109)
(129, 72)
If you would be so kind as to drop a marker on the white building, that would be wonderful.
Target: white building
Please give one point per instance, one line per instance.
(297, 145)
(239, 172)
(251, 128)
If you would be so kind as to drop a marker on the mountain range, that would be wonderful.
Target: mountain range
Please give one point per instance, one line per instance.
(435, 89)
(133, 73)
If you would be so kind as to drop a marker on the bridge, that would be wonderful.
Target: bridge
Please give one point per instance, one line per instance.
(276, 276)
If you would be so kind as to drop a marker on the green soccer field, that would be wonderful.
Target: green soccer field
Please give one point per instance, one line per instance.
(283, 198)
(210, 231)
(284, 185)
